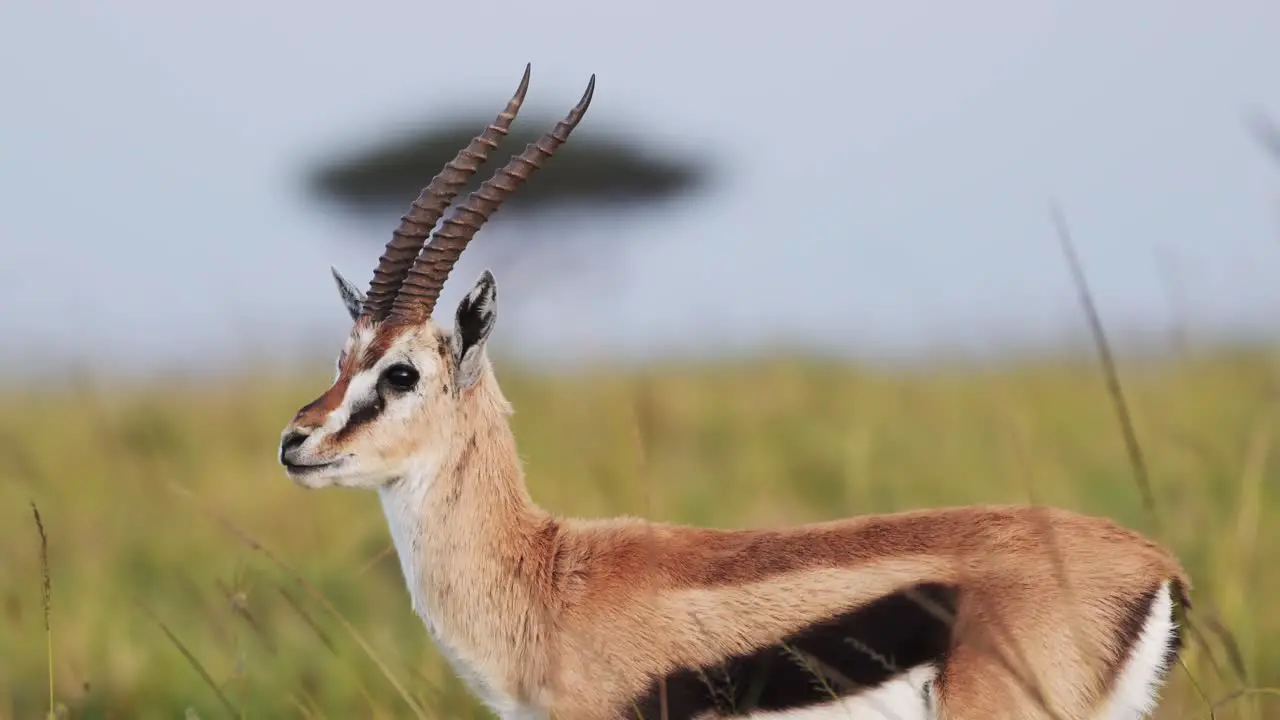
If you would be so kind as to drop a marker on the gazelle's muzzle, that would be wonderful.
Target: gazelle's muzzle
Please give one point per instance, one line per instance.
(297, 460)
(290, 443)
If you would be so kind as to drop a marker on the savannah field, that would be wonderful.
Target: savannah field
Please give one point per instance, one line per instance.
(189, 575)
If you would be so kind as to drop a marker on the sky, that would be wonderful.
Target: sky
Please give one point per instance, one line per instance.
(885, 171)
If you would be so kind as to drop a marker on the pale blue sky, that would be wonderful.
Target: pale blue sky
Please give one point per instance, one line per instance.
(888, 167)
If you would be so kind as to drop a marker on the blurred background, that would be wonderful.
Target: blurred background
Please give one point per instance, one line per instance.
(797, 263)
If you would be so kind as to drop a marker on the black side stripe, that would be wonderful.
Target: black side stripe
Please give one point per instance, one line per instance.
(837, 657)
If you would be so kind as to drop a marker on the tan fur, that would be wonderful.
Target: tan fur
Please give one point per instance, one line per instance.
(577, 617)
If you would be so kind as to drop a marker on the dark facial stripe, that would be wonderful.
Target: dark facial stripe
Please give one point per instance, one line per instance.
(841, 656)
(362, 414)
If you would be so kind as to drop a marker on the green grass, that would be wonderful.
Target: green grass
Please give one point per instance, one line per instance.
(150, 590)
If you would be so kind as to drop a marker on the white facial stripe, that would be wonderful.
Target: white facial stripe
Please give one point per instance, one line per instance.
(364, 386)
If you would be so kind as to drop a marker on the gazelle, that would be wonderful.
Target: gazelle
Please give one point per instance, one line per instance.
(961, 613)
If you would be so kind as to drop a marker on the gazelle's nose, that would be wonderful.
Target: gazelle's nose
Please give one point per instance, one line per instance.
(291, 441)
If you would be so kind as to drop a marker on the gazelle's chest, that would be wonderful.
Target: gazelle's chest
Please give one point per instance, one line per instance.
(405, 528)
(471, 672)
(504, 705)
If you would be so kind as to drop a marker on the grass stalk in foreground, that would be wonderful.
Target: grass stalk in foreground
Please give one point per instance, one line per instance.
(192, 660)
(46, 598)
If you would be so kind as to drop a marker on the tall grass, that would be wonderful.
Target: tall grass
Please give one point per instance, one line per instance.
(319, 625)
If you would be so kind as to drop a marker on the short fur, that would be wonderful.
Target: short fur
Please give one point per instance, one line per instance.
(1005, 612)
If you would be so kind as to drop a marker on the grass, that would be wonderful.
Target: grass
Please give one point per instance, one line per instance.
(189, 574)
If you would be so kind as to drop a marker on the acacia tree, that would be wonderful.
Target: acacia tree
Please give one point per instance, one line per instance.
(597, 174)
(1268, 134)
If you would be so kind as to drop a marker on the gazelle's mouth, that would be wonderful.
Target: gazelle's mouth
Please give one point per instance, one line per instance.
(304, 469)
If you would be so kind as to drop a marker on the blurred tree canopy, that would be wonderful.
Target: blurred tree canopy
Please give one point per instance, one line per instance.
(595, 170)
(592, 169)
(1268, 134)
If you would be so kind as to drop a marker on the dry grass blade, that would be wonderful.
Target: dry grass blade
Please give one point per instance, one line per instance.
(313, 591)
(319, 632)
(238, 602)
(1198, 636)
(306, 618)
(1229, 645)
(1112, 376)
(1242, 694)
(303, 709)
(191, 659)
(373, 561)
(46, 597)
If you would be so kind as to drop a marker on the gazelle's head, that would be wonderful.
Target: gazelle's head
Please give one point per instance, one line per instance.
(396, 405)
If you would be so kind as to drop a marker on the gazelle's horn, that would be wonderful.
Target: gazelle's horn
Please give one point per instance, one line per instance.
(406, 242)
(422, 284)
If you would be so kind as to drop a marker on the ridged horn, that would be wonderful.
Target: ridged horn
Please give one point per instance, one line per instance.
(406, 242)
(422, 284)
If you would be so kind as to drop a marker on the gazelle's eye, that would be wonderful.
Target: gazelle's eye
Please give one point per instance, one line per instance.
(400, 377)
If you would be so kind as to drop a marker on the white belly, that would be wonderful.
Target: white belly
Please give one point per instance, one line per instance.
(902, 698)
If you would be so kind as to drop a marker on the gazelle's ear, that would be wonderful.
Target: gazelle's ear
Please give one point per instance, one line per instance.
(351, 295)
(471, 327)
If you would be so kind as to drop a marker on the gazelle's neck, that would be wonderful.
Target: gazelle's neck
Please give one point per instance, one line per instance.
(475, 550)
